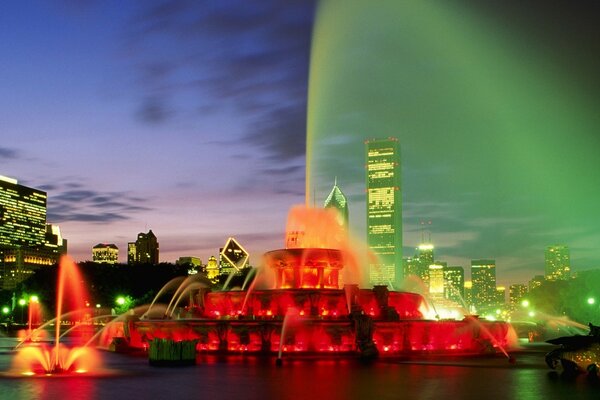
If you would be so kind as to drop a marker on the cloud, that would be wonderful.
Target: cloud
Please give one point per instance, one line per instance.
(71, 201)
(252, 58)
(8, 154)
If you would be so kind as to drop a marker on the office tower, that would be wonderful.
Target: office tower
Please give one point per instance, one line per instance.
(233, 257)
(483, 277)
(436, 282)
(105, 253)
(384, 211)
(469, 295)
(516, 292)
(410, 266)
(500, 296)
(26, 241)
(22, 215)
(131, 251)
(337, 200)
(425, 257)
(145, 250)
(536, 282)
(454, 284)
(558, 263)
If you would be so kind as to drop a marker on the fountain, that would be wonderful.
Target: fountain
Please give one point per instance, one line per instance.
(44, 359)
(330, 317)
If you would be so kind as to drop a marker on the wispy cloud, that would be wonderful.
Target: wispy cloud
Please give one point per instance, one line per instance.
(71, 201)
(253, 59)
(8, 153)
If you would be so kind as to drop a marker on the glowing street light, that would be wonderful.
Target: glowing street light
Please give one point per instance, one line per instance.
(525, 303)
(591, 300)
(120, 300)
(34, 298)
(22, 302)
(5, 310)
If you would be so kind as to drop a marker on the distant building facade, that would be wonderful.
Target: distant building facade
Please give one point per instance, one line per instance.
(536, 282)
(384, 211)
(105, 253)
(483, 279)
(454, 284)
(145, 250)
(516, 293)
(558, 263)
(27, 242)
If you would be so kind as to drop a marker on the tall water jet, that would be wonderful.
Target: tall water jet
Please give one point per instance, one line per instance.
(71, 296)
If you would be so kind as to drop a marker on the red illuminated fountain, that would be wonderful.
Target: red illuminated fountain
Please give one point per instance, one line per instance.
(35, 359)
(316, 278)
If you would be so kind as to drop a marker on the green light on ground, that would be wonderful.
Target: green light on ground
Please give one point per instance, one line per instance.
(5, 310)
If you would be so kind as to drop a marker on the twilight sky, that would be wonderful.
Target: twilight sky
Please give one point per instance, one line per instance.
(189, 118)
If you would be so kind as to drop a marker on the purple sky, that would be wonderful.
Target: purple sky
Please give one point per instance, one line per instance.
(184, 117)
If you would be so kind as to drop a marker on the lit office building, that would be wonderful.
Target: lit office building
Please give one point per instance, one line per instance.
(22, 215)
(483, 278)
(145, 250)
(384, 211)
(558, 263)
(516, 292)
(131, 251)
(536, 282)
(454, 284)
(105, 253)
(425, 257)
(436, 281)
(500, 296)
(337, 200)
(26, 241)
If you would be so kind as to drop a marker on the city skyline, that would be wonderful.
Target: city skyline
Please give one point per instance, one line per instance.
(132, 117)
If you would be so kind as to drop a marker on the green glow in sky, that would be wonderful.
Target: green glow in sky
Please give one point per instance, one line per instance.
(499, 140)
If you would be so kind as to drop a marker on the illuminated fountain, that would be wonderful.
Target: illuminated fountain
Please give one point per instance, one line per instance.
(57, 358)
(305, 280)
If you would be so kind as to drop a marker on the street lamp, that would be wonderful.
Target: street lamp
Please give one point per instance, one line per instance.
(591, 300)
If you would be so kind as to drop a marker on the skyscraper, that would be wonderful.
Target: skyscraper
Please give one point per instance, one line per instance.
(454, 284)
(558, 262)
(483, 290)
(26, 241)
(22, 215)
(337, 200)
(384, 211)
(145, 250)
(425, 259)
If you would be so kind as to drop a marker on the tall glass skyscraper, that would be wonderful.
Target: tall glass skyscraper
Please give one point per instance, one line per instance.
(483, 290)
(384, 211)
(558, 262)
(22, 215)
